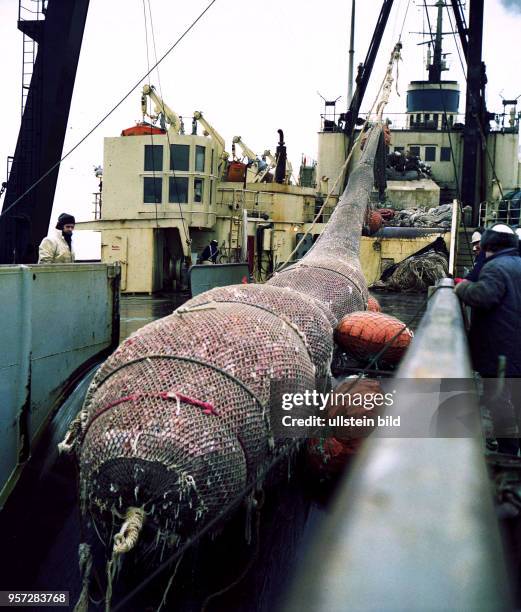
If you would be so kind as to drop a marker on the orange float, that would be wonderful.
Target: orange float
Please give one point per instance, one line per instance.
(365, 334)
(374, 222)
(355, 397)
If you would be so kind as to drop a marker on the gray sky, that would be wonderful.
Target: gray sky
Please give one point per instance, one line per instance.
(251, 67)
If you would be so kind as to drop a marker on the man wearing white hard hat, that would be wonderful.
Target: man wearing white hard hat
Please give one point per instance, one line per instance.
(479, 257)
(475, 240)
(495, 330)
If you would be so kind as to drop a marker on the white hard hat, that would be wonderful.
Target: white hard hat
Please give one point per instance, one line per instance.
(476, 237)
(502, 228)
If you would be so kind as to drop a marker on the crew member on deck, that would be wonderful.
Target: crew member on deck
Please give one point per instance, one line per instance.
(57, 247)
(495, 332)
(479, 257)
(210, 253)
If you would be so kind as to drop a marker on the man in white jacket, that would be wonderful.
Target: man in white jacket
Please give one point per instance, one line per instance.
(57, 247)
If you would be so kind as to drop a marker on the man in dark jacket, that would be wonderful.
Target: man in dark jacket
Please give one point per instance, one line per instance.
(210, 253)
(495, 330)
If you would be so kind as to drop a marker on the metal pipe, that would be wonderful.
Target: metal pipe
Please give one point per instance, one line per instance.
(351, 55)
(413, 527)
(244, 235)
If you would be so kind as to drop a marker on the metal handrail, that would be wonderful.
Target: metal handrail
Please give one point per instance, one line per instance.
(413, 527)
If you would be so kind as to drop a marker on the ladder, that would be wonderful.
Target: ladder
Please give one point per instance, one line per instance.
(28, 11)
(236, 229)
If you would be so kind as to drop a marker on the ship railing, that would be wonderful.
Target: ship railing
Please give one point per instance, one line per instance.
(240, 199)
(402, 121)
(413, 526)
(330, 122)
(506, 210)
(310, 213)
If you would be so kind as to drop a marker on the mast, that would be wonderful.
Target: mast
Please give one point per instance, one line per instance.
(435, 69)
(32, 183)
(475, 112)
(351, 55)
(365, 69)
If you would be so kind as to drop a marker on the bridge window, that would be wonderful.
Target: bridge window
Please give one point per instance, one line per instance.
(212, 169)
(399, 149)
(178, 189)
(199, 158)
(179, 157)
(445, 154)
(152, 190)
(430, 154)
(414, 151)
(198, 190)
(153, 158)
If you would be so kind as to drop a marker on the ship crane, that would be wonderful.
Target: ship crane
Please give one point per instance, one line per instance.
(160, 108)
(211, 131)
(253, 157)
(261, 166)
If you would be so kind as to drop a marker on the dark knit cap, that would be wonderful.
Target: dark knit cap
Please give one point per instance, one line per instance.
(65, 219)
(499, 237)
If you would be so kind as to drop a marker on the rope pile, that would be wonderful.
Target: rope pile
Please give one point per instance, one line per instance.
(417, 273)
(440, 216)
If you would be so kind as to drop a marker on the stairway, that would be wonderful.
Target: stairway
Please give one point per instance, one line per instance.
(464, 258)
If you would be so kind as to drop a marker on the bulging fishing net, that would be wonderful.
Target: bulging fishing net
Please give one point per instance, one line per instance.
(178, 420)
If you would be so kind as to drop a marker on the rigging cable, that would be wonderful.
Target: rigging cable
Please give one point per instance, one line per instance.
(478, 120)
(183, 222)
(107, 115)
(404, 20)
(151, 135)
(448, 130)
(380, 104)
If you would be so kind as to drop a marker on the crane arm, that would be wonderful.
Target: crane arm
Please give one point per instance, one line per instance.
(198, 116)
(245, 148)
(161, 107)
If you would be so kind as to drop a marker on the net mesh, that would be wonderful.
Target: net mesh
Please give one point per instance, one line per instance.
(177, 420)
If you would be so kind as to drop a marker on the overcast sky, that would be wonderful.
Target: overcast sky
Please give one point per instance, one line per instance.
(251, 67)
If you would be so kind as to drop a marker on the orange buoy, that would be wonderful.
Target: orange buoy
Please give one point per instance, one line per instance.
(355, 398)
(373, 305)
(364, 335)
(375, 222)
